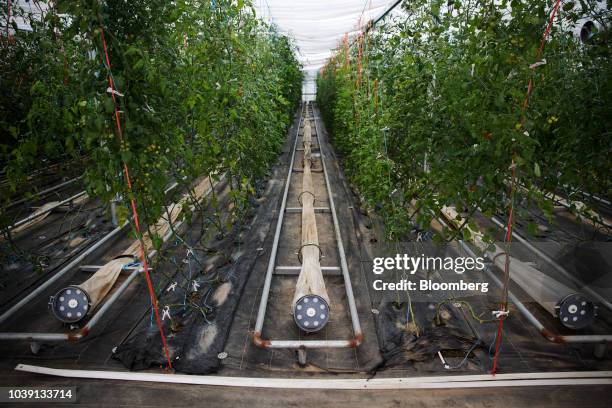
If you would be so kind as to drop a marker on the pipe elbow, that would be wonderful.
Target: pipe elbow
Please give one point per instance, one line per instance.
(550, 336)
(356, 342)
(74, 337)
(259, 341)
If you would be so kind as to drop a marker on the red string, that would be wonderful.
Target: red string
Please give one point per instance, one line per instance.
(540, 50)
(508, 237)
(143, 255)
(346, 51)
(504, 302)
(8, 21)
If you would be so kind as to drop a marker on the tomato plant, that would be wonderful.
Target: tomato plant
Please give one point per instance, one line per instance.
(202, 88)
(428, 110)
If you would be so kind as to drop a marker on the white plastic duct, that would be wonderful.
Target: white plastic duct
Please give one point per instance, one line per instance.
(311, 301)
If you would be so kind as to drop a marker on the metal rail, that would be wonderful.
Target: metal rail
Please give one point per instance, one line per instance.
(67, 268)
(579, 209)
(343, 263)
(37, 172)
(45, 191)
(543, 330)
(305, 344)
(581, 286)
(75, 336)
(51, 208)
(92, 322)
(59, 274)
(594, 197)
(261, 313)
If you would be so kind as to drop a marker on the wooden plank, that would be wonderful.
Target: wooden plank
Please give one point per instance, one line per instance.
(465, 381)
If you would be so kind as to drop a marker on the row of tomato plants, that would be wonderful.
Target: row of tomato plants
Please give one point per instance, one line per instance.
(203, 88)
(428, 109)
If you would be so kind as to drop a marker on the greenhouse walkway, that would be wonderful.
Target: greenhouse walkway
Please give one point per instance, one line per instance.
(233, 349)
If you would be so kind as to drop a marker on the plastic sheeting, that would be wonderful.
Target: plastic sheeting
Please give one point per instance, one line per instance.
(318, 27)
(21, 8)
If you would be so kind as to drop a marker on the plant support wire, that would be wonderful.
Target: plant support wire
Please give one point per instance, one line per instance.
(305, 344)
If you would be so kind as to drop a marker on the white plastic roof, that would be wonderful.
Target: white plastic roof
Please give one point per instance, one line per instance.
(318, 26)
(20, 6)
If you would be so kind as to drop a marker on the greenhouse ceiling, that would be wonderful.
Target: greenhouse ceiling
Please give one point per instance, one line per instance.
(317, 26)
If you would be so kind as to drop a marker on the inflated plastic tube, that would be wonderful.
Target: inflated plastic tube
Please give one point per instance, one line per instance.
(311, 301)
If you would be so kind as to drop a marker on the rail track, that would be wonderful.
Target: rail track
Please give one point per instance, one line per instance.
(92, 234)
(343, 329)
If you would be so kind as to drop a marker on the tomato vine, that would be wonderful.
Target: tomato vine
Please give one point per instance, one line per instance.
(426, 109)
(203, 89)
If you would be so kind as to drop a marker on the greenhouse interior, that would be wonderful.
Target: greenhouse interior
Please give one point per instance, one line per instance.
(306, 203)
